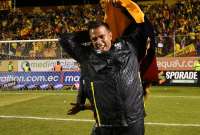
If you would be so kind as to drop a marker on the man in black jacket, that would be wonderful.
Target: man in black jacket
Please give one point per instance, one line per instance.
(114, 86)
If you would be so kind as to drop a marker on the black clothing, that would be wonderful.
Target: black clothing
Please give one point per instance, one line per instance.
(134, 129)
(117, 94)
(146, 61)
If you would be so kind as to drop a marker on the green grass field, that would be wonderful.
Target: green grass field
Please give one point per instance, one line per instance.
(171, 111)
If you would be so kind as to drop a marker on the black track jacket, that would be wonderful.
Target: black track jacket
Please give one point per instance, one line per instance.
(113, 82)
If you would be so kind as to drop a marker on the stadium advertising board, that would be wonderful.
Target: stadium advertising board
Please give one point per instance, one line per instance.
(180, 77)
(178, 70)
(39, 78)
(71, 78)
(30, 77)
(175, 63)
(47, 65)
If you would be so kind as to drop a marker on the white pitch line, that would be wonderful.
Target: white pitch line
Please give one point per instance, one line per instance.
(193, 97)
(48, 93)
(89, 120)
(72, 94)
(172, 124)
(16, 93)
(45, 118)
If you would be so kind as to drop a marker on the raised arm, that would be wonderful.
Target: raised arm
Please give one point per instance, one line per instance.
(73, 44)
(137, 32)
(138, 29)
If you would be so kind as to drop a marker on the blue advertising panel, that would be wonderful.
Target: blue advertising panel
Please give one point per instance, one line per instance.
(39, 78)
(71, 78)
(30, 78)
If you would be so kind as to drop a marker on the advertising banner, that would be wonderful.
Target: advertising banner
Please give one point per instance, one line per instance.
(29, 78)
(47, 65)
(164, 64)
(180, 77)
(71, 78)
(39, 78)
(176, 63)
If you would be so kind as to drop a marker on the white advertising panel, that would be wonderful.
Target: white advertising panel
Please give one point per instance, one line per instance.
(47, 65)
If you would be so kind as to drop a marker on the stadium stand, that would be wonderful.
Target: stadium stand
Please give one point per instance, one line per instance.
(177, 29)
(180, 20)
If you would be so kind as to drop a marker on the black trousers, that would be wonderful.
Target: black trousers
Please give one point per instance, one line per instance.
(136, 128)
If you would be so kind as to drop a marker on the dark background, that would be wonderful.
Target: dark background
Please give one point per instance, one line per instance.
(21, 3)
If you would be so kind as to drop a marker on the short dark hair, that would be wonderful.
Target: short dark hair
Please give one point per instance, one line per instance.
(96, 24)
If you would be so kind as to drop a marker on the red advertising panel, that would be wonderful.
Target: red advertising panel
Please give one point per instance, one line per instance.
(176, 63)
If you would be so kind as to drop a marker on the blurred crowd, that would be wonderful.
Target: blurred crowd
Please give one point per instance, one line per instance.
(179, 22)
(46, 23)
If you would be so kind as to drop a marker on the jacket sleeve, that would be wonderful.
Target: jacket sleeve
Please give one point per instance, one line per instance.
(148, 68)
(137, 37)
(72, 43)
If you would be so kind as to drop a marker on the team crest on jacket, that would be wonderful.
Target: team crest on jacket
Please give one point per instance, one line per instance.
(118, 46)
